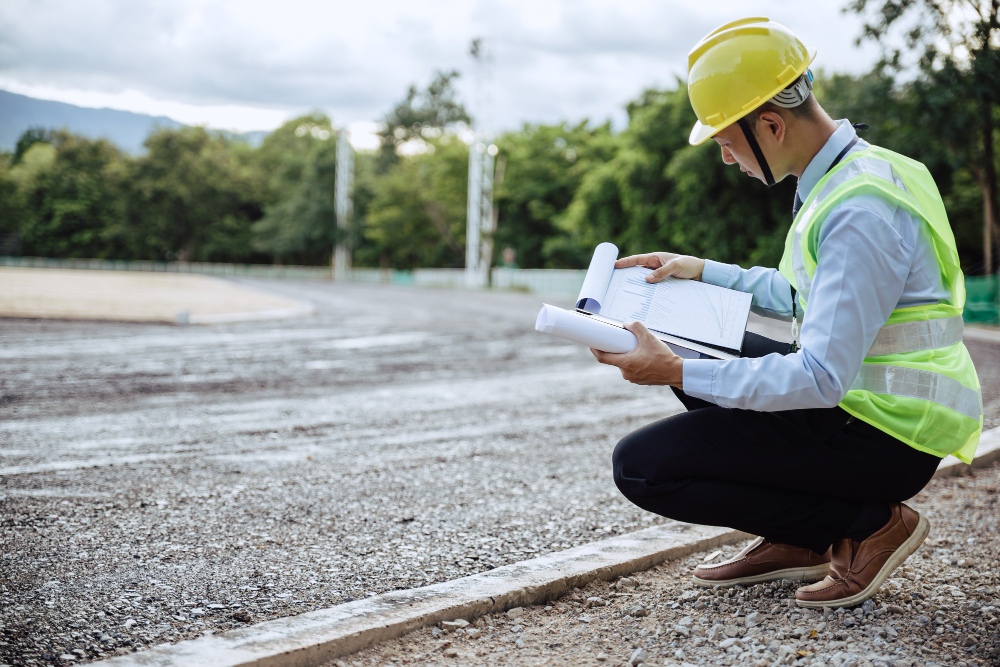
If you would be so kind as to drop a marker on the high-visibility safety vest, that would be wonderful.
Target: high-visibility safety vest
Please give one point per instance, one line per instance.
(917, 382)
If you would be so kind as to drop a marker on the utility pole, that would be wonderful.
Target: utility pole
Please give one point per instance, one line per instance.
(479, 216)
(343, 200)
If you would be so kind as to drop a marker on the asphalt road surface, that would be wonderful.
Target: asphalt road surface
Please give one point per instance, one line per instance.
(158, 482)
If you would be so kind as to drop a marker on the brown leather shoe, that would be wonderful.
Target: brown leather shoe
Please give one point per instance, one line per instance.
(859, 568)
(765, 561)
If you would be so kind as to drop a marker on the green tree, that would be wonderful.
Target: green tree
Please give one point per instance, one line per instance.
(422, 114)
(951, 47)
(416, 217)
(659, 193)
(410, 196)
(66, 192)
(192, 197)
(539, 170)
(364, 252)
(29, 138)
(299, 223)
(11, 209)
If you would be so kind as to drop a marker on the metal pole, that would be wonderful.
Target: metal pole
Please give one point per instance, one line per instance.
(479, 223)
(473, 215)
(343, 204)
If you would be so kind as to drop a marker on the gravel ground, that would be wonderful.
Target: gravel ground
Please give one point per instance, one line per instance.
(160, 482)
(942, 607)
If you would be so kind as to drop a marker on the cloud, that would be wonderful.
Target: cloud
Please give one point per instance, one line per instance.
(554, 59)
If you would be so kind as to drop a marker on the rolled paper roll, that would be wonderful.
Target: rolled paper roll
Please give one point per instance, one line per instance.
(595, 283)
(584, 330)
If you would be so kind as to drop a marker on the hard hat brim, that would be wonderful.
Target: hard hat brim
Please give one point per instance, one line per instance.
(700, 133)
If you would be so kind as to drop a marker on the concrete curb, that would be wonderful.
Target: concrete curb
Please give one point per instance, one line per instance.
(325, 634)
(319, 636)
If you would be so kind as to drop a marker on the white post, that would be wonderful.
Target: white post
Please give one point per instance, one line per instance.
(485, 214)
(473, 215)
(479, 223)
(343, 203)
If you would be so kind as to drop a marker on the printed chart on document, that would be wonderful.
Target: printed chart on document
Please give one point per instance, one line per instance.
(670, 306)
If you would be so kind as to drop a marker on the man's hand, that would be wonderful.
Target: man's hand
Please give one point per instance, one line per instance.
(665, 264)
(651, 362)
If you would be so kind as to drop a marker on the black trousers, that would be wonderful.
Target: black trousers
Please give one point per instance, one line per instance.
(800, 477)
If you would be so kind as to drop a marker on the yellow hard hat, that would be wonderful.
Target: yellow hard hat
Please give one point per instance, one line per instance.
(739, 67)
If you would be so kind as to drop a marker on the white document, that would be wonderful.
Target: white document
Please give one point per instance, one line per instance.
(686, 309)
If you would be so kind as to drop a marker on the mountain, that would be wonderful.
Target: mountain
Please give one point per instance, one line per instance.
(125, 129)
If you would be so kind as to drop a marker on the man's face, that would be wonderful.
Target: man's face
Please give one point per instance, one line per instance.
(736, 150)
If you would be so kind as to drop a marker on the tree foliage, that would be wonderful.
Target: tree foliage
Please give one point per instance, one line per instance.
(559, 190)
(416, 217)
(541, 167)
(947, 53)
(659, 193)
(422, 114)
(67, 194)
(192, 197)
(29, 138)
(299, 163)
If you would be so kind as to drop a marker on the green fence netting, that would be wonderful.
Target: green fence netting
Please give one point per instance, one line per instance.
(982, 299)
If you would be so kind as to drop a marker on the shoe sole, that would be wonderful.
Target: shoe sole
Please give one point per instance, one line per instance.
(895, 560)
(814, 573)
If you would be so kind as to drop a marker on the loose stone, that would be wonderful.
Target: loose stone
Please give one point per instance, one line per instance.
(451, 626)
(639, 656)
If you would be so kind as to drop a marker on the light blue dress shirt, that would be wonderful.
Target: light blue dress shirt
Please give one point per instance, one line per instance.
(873, 258)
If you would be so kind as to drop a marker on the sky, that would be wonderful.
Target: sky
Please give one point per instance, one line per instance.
(251, 64)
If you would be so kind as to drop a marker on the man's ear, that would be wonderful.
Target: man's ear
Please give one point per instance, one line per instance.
(773, 124)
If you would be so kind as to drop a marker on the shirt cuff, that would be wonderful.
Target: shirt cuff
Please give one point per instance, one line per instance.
(698, 376)
(717, 273)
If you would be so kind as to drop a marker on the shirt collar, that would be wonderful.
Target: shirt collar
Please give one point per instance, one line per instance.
(820, 164)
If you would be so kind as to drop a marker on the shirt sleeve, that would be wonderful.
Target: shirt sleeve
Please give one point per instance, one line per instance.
(771, 292)
(863, 263)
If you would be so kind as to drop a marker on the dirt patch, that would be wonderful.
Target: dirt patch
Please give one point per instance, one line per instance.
(128, 296)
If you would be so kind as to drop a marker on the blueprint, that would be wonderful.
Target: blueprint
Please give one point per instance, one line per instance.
(686, 308)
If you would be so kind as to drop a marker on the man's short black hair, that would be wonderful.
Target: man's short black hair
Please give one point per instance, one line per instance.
(808, 110)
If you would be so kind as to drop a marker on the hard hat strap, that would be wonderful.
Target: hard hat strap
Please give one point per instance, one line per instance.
(757, 153)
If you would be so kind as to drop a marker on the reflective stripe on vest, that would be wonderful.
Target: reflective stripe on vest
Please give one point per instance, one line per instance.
(917, 336)
(925, 385)
(803, 281)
